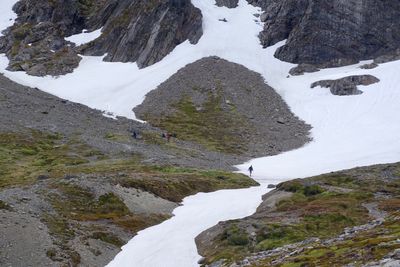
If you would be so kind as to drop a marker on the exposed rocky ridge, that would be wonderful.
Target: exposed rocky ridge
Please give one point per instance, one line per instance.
(347, 85)
(213, 101)
(75, 186)
(133, 31)
(340, 218)
(330, 33)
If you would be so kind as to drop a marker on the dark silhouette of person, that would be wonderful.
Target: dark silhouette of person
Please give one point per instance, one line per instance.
(251, 170)
(134, 134)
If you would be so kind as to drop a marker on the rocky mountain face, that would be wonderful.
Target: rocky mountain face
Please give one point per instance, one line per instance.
(141, 31)
(319, 32)
(330, 33)
(145, 31)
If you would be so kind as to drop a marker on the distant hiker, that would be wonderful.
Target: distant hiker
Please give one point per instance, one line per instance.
(168, 136)
(163, 135)
(251, 170)
(134, 134)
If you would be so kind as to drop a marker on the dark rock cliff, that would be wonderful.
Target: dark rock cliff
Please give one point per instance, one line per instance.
(145, 31)
(330, 32)
(138, 30)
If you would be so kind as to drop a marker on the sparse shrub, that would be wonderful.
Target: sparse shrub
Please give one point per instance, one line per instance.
(235, 236)
(312, 190)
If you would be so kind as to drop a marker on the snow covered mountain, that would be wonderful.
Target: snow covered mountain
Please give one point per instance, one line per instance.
(214, 73)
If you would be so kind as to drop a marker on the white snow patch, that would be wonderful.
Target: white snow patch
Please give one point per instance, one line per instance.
(7, 16)
(347, 131)
(84, 37)
(171, 243)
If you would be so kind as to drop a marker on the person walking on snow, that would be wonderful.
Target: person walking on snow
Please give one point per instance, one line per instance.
(251, 170)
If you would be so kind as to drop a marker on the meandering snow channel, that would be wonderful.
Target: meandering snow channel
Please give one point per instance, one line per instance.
(347, 131)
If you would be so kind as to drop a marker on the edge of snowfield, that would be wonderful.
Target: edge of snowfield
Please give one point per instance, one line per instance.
(347, 131)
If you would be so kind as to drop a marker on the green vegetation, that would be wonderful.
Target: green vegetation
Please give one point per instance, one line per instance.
(76, 203)
(80, 204)
(370, 245)
(35, 156)
(108, 238)
(25, 157)
(4, 206)
(22, 31)
(235, 236)
(174, 183)
(212, 126)
(58, 227)
(321, 207)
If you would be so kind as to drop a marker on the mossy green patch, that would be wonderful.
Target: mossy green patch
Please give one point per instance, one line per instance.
(58, 227)
(4, 206)
(80, 204)
(108, 238)
(235, 236)
(23, 157)
(217, 128)
(174, 183)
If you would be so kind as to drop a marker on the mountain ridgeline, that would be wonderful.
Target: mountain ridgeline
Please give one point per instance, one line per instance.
(323, 33)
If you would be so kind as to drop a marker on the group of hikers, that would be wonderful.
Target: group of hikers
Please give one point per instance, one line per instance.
(167, 136)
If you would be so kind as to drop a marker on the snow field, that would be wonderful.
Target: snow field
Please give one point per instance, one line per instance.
(7, 16)
(347, 131)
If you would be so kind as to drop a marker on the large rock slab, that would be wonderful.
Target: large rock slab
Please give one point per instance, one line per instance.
(330, 32)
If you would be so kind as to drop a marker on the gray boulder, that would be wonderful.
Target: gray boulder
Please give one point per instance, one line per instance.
(303, 68)
(227, 3)
(347, 85)
(370, 66)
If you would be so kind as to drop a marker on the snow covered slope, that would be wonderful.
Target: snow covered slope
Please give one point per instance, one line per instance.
(347, 131)
(7, 16)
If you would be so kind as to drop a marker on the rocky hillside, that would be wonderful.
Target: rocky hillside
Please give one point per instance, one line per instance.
(75, 186)
(330, 33)
(226, 108)
(347, 218)
(132, 31)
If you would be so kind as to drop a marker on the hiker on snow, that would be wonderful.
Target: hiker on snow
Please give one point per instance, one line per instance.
(251, 170)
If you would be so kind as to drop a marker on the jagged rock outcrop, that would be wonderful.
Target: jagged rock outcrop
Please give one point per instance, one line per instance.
(145, 31)
(330, 32)
(227, 3)
(141, 31)
(35, 43)
(303, 68)
(347, 85)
